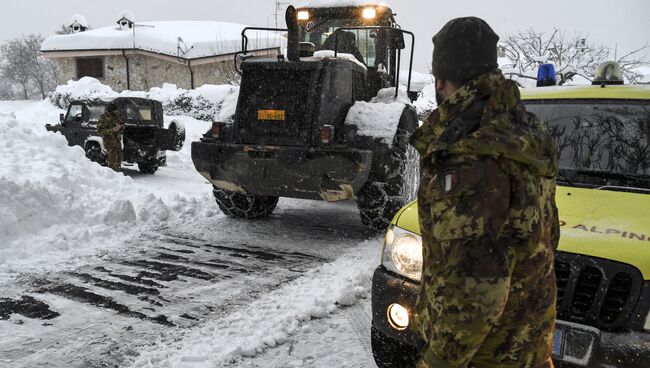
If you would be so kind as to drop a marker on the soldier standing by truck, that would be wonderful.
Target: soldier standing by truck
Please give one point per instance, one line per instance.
(110, 128)
(487, 213)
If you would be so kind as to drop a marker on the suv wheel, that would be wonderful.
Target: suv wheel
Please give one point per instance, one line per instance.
(179, 128)
(379, 201)
(245, 206)
(94, 154)
(149, 167)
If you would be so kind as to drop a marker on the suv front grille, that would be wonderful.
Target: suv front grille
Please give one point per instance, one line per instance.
(596, 292)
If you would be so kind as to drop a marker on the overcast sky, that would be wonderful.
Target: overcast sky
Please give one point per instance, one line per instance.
(622, 22)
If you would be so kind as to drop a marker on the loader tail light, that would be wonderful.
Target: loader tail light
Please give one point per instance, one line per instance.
(217, 130)
(326, 134)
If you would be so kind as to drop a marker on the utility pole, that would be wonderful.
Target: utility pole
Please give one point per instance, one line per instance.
(279, 6)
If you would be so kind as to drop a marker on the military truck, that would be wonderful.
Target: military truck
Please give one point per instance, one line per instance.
(324, 122)
(145, 137)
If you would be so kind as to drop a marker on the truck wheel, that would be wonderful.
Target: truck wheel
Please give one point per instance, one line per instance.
(250, 207)
(379, 201)
(179, 128)
(389, 353)
(149, 167)
(94, 154)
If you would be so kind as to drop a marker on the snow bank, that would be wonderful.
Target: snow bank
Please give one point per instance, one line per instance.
(426, 101)
(419, 81)
(204, 103)
(272, 320)
(379, 117)
(56, 205)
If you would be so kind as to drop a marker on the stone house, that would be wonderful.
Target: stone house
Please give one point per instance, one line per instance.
(139, 56)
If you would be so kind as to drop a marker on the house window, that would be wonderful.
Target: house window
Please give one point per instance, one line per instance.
(90, 67)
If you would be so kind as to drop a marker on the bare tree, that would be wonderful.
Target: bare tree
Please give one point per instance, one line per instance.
(23, 64)
(12, 68)
(64, 30)
(572, 56)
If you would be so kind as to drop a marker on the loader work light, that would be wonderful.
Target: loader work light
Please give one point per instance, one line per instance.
(369, 13)
(546, 75)
(303, 15)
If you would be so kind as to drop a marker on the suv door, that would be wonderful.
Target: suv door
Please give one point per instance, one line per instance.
(72, 124)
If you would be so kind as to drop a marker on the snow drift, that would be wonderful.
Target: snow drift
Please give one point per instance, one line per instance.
(55, 204)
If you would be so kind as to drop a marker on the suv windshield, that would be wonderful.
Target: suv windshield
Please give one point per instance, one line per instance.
(601, 143)
(96, 112)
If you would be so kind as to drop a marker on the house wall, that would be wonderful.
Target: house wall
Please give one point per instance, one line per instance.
(148, 71)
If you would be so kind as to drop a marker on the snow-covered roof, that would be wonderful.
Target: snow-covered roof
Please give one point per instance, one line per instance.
(184, 39)
(340, 3)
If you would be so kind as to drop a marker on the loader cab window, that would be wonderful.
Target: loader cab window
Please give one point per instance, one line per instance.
(363, 44)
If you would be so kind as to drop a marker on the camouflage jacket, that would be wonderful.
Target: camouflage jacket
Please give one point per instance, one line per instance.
(490, 227)
(107, 122)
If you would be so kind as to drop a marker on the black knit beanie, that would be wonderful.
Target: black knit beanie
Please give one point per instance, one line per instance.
(464, 49)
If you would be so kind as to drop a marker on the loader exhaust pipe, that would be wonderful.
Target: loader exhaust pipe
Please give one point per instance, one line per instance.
(293, 45)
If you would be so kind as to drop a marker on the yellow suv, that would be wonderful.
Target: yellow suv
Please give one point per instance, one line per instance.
(603, 261)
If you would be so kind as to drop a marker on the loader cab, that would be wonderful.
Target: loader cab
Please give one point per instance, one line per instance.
(372, 47)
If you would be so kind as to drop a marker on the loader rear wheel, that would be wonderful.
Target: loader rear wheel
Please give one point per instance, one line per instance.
(249, 207)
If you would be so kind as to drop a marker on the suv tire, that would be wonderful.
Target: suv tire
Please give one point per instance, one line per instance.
(94, 154)
(149, 167)
(245, 206)
(180, 135)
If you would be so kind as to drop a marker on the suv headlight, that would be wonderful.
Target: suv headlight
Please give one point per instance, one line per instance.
(403, 253)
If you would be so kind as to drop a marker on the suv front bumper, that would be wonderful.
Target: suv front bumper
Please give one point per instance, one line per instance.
(299, 172)
(582, 346)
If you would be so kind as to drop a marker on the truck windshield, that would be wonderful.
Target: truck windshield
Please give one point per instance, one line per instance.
(360, 43)
(96, 112)
(600, 143)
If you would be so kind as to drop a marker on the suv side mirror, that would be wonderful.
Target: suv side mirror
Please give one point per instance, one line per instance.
(78, 117)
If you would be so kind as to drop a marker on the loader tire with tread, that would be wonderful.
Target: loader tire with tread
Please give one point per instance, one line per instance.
(379, 201)
(244, 206)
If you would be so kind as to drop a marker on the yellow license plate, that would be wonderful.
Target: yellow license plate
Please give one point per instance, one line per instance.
(275, 115)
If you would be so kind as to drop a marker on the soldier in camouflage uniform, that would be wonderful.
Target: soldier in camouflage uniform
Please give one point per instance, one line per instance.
(487, 214)
(110, 128)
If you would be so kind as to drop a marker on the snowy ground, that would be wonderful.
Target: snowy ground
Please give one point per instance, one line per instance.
(99, 269)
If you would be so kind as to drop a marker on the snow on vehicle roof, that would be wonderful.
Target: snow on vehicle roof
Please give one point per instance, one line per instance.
(184, 39)
(340, 3)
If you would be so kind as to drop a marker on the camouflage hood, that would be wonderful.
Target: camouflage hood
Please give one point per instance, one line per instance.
(506, 130)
